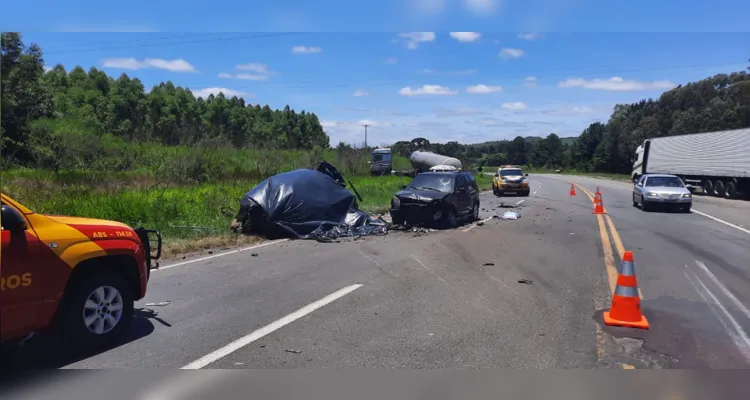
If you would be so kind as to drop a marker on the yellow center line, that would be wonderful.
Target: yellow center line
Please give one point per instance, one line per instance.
(609, 264)
(608, 258)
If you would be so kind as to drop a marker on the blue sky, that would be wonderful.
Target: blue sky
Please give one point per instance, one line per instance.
(464, 86)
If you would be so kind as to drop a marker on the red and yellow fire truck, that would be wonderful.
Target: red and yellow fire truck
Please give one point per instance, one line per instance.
(76, 276)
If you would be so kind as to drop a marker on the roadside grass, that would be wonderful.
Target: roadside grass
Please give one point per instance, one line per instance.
(189, 217)
(484, 182)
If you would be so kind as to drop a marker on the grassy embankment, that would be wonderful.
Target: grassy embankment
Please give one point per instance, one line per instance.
(182, 191)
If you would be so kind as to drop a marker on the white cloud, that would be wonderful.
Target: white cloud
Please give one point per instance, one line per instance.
(481, 6)
(391, 60)
(47, 69)
(360, 93)
(483, 89)
(178, 65)
(508, 53)
(515, 106)
(530, 36)
(229, 93)
(616, 84)
(306, 49)
(254, 67)
(465, 36)
(253, 72)
(530, 81)
(567, 111)
(413, 39)
(434, 90)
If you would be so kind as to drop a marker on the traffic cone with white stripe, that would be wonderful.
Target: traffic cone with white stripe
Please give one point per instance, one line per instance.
(572, 190)
(626, 301)
(598, 205)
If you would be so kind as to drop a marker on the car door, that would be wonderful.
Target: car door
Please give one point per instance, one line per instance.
(639, 188)
(20, 295)
(462, 195)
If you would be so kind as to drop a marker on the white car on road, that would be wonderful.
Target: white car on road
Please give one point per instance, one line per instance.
(657, 189)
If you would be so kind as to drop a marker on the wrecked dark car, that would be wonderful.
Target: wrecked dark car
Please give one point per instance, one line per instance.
(305, 204)
(436, 198)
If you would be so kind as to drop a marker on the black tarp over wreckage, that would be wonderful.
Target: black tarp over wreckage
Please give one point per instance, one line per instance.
(306, 204)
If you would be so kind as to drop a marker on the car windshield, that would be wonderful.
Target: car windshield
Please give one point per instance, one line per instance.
(511, 172)
(664, 181)
(435, 182)
(377, 157)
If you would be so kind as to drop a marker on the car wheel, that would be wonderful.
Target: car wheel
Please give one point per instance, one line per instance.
(475, 212)
(525, 194)
(645, 206)
(635, 203)
(686, 209)
(450, 219)
(97, 312)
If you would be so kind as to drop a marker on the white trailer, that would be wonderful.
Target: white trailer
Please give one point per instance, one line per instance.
(718, 162)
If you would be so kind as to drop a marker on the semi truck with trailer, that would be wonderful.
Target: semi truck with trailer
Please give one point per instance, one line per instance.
(717, 162)
(421, 161)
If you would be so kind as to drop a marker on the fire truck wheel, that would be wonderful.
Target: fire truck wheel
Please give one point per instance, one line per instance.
(97, 311)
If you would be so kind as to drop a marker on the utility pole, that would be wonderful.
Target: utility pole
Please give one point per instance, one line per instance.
(366, 126)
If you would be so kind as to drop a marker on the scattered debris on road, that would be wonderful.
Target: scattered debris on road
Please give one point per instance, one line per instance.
(503, 205)
(293, 351)
(159, 304)
(254, 255)
(525, 281)
(305, 204)
(488, 264)
(510, 215)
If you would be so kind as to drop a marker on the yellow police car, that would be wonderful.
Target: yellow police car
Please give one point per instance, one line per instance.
(510, 179)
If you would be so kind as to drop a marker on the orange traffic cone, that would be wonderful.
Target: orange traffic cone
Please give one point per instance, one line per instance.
(598, 205)
(626, 303)
(572, 190)
(597, 198)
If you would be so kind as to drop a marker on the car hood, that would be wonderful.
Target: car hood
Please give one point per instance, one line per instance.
(78, 221)
(421, 195)
(667, 190)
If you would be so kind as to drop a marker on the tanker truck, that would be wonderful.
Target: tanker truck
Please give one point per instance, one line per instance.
(421, 161)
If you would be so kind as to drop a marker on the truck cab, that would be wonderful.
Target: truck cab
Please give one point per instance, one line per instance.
(638, 159)
(77, 276)
(382, 162)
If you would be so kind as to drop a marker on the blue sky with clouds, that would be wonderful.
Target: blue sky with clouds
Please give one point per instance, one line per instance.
(443, 85)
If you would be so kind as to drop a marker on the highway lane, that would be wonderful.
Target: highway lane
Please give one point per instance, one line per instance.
(448, 298)
(693, 270)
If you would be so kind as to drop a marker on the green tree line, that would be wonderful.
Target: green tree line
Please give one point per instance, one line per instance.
(48, 113)
(720, 102)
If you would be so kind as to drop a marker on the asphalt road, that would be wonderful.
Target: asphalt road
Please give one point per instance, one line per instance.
(524, 293)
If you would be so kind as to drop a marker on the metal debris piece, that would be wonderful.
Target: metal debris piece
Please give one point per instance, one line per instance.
(293, 351)
(488, 264)
(159, 304)
(254, 255)
(480, 223)
(526, 281)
